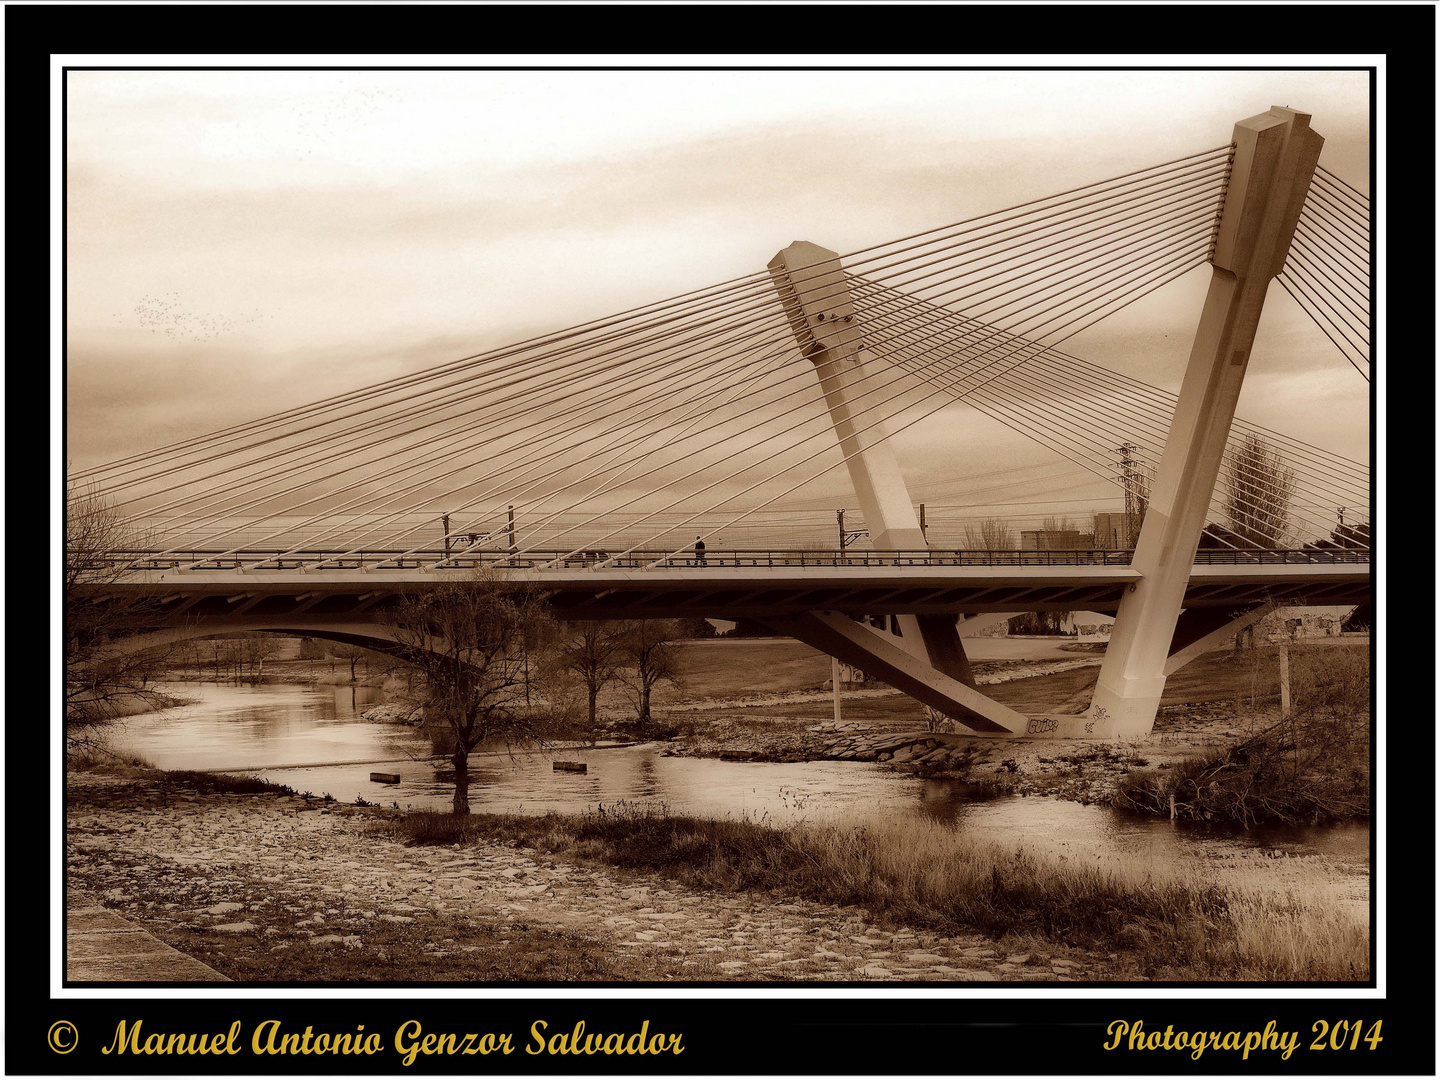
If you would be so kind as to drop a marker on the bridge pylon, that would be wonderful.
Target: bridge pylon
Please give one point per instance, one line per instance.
(929, 660)
(1274, 159)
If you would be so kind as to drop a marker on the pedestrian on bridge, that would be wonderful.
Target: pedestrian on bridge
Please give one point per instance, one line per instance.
(699, 551)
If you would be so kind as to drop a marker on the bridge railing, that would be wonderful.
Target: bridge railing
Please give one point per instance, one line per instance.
(322, 562)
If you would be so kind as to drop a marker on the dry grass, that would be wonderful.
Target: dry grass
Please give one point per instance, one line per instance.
(929, 876)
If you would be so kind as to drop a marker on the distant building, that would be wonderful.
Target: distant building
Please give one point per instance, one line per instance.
(1055, 540)
(1111, 532)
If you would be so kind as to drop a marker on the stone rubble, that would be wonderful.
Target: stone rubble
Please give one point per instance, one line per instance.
(315, 859)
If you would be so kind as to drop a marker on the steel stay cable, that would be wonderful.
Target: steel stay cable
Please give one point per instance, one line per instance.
(532, 343)
(851, 259)
(1125, 384)
(290, 434)
(467, 380)
(1341, 203)
(1344, 311)
(655, 394)
(1315, 221)
(1000, 380)
(1341, 216)
(347, 553)
(1359, 296)
(1305, 286)
(614, 472)
(498, 353)
(1328, 175)
(1342, 233)
(420, 376)
(621, 380)
(857, 399)
(1102, 453)
(1187, 217)
(1284, 284)
(868, 407)
(1305, 245)
(661, 398)
(1106, 207)
(556, 372)
(1358, 221)
(1159, 432)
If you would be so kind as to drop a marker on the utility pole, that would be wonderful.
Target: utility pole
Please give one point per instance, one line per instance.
(923, 530)
(840, 525)
(445, 523)
(1285, 680)
(1130, 481)
(511, 529)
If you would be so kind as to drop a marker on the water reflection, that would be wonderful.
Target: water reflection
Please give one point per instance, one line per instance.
(260, 729)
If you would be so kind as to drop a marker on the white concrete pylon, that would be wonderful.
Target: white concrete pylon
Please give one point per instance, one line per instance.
(816, 298)
(1275, 156)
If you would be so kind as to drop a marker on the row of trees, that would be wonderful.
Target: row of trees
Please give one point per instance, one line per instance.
(497, 667)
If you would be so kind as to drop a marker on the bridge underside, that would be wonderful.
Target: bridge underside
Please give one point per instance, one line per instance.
(813, 605)
(222, 597)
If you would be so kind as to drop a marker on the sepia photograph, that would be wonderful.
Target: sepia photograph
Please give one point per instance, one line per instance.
(699, 526)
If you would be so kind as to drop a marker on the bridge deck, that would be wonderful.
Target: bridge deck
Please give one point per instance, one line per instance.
(727, 587)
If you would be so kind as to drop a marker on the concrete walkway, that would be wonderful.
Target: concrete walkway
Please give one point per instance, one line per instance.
(100, 946)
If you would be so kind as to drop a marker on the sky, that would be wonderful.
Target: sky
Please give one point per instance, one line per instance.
(244, 242)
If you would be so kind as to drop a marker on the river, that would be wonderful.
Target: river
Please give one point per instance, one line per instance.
(313, 739)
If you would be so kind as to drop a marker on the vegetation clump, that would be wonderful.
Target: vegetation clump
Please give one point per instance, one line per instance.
(1310, 768)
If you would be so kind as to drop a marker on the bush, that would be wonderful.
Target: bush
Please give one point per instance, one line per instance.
(1310, 768)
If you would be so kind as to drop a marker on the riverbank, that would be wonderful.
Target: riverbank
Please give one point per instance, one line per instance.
(1213, 711)
(274, 887)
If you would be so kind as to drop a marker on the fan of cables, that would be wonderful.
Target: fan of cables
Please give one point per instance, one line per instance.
(689, 415)
(1327, 271)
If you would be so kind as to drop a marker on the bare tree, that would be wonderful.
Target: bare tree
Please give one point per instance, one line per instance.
(594, 654)
(1259, 489)
(991, 534)
(352, 654)
(650, 646)
(1059, 524)
(312, 649)
(104, 679)
(255, 649)
(473, 641)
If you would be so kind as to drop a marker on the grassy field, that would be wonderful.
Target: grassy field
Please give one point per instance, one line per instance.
(929, 876)
(725, 668)
(1252, 677)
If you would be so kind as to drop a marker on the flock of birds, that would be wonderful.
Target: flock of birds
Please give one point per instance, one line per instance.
(347, 105)
(166, 314)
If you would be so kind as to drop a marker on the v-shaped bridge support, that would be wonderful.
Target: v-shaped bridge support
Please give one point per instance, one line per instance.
(1274, 158)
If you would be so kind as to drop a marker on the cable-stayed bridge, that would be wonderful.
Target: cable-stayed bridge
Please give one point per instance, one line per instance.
(589, 461)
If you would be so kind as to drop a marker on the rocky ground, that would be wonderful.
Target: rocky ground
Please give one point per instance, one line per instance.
(277, 887)
(1072, 769)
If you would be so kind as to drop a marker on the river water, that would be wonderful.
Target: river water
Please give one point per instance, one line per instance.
(313, 739)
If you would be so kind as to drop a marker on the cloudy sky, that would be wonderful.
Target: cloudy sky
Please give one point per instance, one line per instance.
(241, 243)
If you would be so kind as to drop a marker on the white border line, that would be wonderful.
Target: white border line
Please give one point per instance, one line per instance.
(865, 990)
